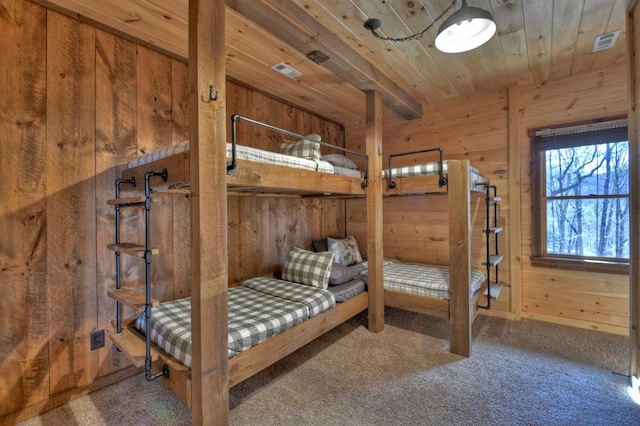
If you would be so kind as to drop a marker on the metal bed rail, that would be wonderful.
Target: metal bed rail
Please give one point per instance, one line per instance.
(442, 181)
(235, 118)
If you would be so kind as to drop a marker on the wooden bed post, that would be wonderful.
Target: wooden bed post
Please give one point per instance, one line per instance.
(374, 211)
(460, 309)
(207, 133)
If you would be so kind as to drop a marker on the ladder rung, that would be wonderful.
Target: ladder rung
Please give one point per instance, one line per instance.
(495, 200)
(494, 229)
(132, 344)
(494, 260)
(131, 249)
(127, 201)
(131, 298)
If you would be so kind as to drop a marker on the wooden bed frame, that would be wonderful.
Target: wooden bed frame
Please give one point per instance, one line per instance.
(251, 176)
(462, 308)
(261, 356)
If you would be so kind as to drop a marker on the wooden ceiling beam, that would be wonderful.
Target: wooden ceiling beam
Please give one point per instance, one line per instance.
(289, 22)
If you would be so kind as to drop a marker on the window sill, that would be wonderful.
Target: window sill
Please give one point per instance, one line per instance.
(618, 268)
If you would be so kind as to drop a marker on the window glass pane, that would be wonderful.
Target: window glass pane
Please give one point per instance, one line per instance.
(590, 227)
(601, 169)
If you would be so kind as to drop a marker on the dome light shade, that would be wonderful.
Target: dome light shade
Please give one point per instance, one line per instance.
(466, 29)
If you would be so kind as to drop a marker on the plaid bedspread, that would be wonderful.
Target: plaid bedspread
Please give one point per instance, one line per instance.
(425, 280)
(243, 153)
(259, 308)
(315, 299)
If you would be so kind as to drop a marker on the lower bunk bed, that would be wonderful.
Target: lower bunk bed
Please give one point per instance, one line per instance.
(453, 293)
(427, 289)
(268, 319)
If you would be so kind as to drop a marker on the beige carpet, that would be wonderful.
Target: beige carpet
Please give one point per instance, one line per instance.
(521, 373)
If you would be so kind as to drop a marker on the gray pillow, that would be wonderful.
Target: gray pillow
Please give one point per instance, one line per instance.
(345, 250)
(340, 161)
(340, 274)
(307, 267)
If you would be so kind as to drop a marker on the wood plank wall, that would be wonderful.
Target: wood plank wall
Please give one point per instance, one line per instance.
(77, 104)
(585, 299)
(476, 128)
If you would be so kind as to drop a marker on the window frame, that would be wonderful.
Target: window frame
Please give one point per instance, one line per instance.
(539, 258)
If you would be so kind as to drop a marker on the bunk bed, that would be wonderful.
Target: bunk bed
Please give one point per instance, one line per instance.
(457, 295)
(249, 170)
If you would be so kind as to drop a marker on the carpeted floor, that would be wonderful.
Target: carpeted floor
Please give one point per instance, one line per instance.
(521, 373)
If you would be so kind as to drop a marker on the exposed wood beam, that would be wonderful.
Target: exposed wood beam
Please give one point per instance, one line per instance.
(292, 24)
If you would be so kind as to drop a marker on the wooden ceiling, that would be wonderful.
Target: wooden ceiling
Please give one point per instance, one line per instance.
(537, 40)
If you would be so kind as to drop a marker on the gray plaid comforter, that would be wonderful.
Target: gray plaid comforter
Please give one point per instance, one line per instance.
(423, 280)
(259, 308)
(243, 153)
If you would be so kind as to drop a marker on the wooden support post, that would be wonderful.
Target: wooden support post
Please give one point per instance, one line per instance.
(633, 41)
(207, 133)
(515, 227)
(460, 309)
(374, 211)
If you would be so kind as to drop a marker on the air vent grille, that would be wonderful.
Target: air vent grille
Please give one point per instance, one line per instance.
(285, 69)
(605, 41)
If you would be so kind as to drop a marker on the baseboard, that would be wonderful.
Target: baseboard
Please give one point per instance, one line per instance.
(613, 329)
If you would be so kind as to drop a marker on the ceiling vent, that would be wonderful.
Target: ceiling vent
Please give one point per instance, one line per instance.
(285, 69)
(605, 41)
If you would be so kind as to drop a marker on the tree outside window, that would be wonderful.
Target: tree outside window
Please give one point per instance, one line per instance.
(581, 205)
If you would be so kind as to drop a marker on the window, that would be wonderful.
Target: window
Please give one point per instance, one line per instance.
(581, 197)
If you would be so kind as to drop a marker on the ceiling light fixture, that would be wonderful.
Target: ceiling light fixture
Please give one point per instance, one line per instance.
(466, 29)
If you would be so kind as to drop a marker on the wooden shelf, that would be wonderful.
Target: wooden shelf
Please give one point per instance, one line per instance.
(131, 298)
(128, 201)
(132, 344)
(494, 260)
(496, 288)
(134, 250)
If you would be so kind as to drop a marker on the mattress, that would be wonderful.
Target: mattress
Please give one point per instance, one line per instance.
(429, 169)
(347, 290)
(259, 308)
(424, 280)
(243, 153)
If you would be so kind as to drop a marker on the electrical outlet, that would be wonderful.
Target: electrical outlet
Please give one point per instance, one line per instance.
(97, 339)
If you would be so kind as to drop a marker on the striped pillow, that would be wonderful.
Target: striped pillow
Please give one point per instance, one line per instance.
(306, 267)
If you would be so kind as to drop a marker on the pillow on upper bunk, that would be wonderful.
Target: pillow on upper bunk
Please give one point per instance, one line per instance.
(340, 160)
(307, 267)
(341, 274)
(345, 250)
(303, 148)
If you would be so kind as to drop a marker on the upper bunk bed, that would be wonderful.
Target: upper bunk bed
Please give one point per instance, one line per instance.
(299, 171)
(429, 177)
